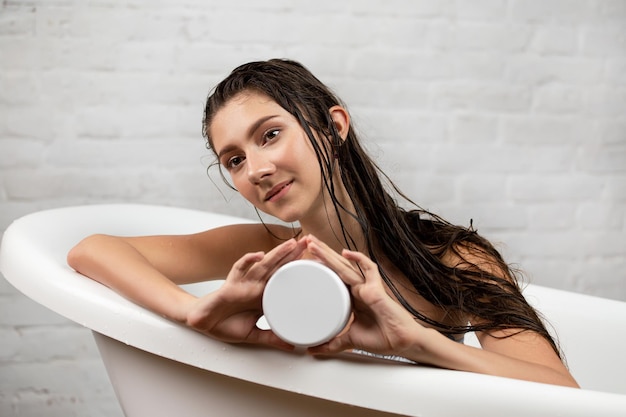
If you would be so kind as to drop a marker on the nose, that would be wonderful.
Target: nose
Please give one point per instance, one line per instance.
(258, 167)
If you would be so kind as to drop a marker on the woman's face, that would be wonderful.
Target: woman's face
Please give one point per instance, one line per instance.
(268, 156)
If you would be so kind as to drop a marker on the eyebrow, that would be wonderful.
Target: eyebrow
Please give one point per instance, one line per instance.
(253, 127)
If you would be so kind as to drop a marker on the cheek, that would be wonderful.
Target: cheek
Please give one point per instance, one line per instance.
(306, 155)
(240, 182)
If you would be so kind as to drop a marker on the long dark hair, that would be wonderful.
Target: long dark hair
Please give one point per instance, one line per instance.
(479, 284)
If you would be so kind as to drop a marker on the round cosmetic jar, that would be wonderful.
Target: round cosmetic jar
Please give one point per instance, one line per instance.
(305, 303)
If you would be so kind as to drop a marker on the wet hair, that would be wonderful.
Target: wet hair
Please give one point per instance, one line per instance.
(452, 267)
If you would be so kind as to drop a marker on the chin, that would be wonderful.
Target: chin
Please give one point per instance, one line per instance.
(285, 217)
(288, 218)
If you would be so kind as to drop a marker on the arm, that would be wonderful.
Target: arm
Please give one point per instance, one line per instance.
(383, 326)
(147, 270)
(526, 356)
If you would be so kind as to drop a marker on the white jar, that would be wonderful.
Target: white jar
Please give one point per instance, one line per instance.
(305, 303)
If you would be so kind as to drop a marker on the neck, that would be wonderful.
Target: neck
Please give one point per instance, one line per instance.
(339, 230)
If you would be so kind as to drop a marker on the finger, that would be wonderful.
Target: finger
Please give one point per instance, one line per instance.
(341, 265)
(274, 259)
(324, 252)
(243, 264)
(366, 265)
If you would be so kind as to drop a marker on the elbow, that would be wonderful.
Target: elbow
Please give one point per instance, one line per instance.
(83, 251)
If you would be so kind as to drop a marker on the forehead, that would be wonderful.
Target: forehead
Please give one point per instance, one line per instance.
(241, 111)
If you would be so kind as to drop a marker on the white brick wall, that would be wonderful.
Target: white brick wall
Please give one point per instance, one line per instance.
(509, 112)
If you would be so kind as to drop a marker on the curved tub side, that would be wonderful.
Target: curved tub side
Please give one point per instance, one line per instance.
(151, 385)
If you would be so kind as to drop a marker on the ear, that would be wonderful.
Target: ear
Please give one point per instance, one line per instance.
(341, 117)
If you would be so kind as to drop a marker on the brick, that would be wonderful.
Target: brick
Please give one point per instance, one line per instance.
(548, 245)
(10, 345)
(18, 310)
(611, 12)
(407, 31)
(98, 54)
(555, 187)
(555, 40)
(557, 99)
(133, 121)
(612, 132)
(553, 273)
(561, 11)
(480, 10)
(609, 159)
(487, 36)
(488, 218)
(16, 20)
(603, 278)
(20, 153)
(538, 70)
(403, 96)
(54, 22)
(61, 388)
(616, 70)
(147, 55)
(19, 88)
(19, 53)
(601, 216)
(474, 127)
(482, 189)
(481, 66)
(384, 64)
(603, 42)
(606, 102)
(426, 191)
(19, 122)
(385, 127)
(50, 183)
(553, 216)
(481, 96)
(413, 8)
(120, 24)
(62, 342)
(127, 153)
(556, 130)
(616, 188)
(217, 59)
(481, 157)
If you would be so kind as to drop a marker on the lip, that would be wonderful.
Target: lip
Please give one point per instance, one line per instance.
(278, 190)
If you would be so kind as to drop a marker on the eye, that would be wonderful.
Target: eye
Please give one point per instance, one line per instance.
(234, 162)
(270, 135)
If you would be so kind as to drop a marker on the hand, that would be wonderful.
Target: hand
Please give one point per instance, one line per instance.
(380, 324)
(230, 313)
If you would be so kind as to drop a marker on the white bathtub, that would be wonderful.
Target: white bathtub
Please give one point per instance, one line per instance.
(159, 368)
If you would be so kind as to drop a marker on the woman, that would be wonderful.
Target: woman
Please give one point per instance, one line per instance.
(418, 283)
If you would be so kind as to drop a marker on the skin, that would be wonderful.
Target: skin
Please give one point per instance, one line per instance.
(272, 164)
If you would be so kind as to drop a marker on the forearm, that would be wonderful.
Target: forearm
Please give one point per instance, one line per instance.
(118, 265)
(436, 349)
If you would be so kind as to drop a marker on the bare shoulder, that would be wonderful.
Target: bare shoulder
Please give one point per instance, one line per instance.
(472, 257)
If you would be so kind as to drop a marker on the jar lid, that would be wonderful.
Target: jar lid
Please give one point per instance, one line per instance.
(305, 303)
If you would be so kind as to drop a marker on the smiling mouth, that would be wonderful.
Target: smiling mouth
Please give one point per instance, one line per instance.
(277, 190)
